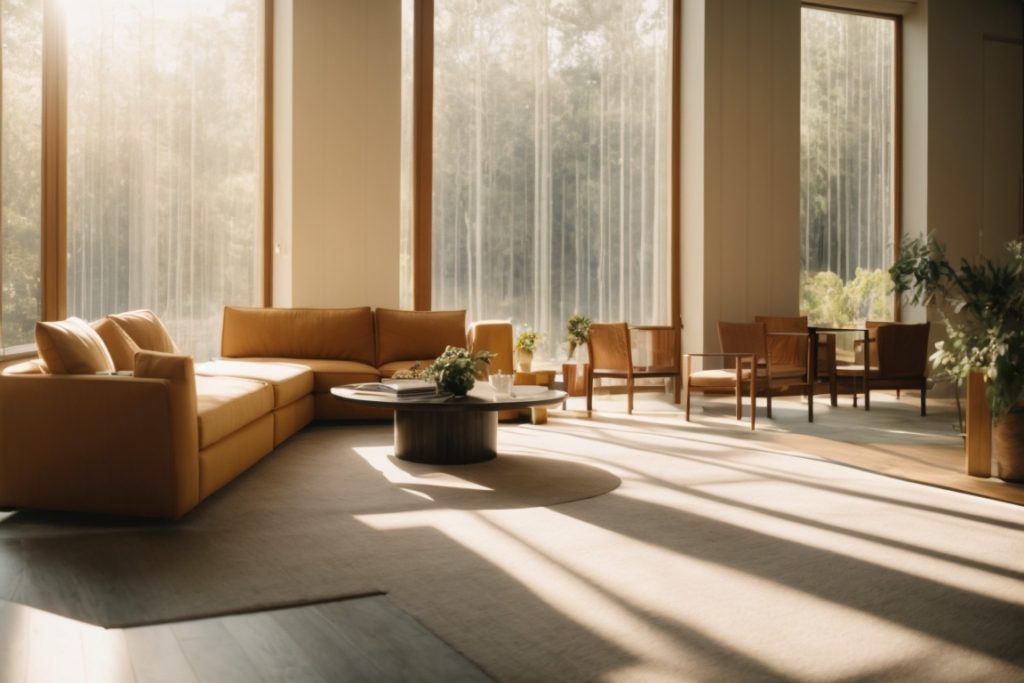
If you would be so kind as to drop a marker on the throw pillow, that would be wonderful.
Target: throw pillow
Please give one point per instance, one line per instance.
(71, 347)
(120, 346)
(146, 330)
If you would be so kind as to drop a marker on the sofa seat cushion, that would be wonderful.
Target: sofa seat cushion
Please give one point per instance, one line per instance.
(290, 382)
(226, 404)
(389, 369)
(330, 373)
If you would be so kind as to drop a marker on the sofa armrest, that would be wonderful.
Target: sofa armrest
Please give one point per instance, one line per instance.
(99, 443)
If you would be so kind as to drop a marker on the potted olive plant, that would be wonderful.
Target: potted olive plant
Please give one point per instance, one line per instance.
(574, 373)
(526, 344)
(982, 306)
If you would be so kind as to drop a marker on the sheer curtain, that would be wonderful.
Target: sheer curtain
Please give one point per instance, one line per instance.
(165, 140)
(551, 152)
(21, 138)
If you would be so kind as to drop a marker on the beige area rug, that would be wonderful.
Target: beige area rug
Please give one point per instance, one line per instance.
(721, 555)
(285, 533)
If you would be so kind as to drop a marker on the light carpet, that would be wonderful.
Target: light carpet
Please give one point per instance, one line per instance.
(721, 554)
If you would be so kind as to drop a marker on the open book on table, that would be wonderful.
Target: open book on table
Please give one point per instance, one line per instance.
(402, 388)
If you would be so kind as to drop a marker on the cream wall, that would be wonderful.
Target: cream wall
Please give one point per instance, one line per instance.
(337, 220)
(741, 253)
(959, 171)
(953, 184)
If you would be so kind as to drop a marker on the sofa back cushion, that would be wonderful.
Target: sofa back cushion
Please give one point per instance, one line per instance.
(327, 333)
(417, 335)
(71, 347)
(146, 330)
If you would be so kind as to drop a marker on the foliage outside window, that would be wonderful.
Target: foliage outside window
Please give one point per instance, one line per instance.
(21, 136)
(847, 130)
(551, 161)
(164, 179)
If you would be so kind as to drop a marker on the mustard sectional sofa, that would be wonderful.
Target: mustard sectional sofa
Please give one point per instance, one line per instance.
(115, 420)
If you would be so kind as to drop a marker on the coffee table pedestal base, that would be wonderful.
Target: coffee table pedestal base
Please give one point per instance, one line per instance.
(446, 437)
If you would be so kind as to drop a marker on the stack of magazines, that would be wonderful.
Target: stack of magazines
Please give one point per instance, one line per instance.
(399, 388)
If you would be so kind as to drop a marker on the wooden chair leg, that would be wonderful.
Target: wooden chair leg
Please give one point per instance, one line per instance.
(753, 404)
(769, 401)
(677, 386)
(739, 392)
(924, 390)
(590, 390)
(689, 367)
(629, 397)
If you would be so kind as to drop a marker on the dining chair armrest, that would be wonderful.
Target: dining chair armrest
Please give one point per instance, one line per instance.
(739, 358)
(721, 354)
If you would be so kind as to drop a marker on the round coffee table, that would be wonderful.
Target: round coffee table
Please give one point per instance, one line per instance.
(450, 430)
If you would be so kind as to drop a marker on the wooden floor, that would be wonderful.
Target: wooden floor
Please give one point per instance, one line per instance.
(364, 639)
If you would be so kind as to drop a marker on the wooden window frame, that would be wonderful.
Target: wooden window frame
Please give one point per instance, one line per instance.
(422, 144)
(53, 219)
(897, 132)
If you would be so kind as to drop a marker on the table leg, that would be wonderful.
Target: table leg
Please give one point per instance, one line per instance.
(446, 437)
(812, 373)
(867, 369)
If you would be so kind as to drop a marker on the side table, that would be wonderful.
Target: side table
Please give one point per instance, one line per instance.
(540, 378)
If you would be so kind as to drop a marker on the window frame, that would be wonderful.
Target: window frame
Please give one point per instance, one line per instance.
(897, 134)
(53, 220)
(422, 159)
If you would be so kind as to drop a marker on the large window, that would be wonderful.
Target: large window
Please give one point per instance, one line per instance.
(21, 71)
(551, 161)
(848, 177)
(164, 160)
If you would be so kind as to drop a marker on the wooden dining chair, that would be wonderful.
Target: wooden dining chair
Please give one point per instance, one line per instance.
(898, 359)
(611, 356)
(747, 345)
(788, 348)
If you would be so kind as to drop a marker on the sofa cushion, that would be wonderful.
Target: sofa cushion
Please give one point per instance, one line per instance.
(409, 335)
(146, 330)
(226, 404)
(289, 381)
(71, 347)
(120, 346)
(326, 333)
(330, 373)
